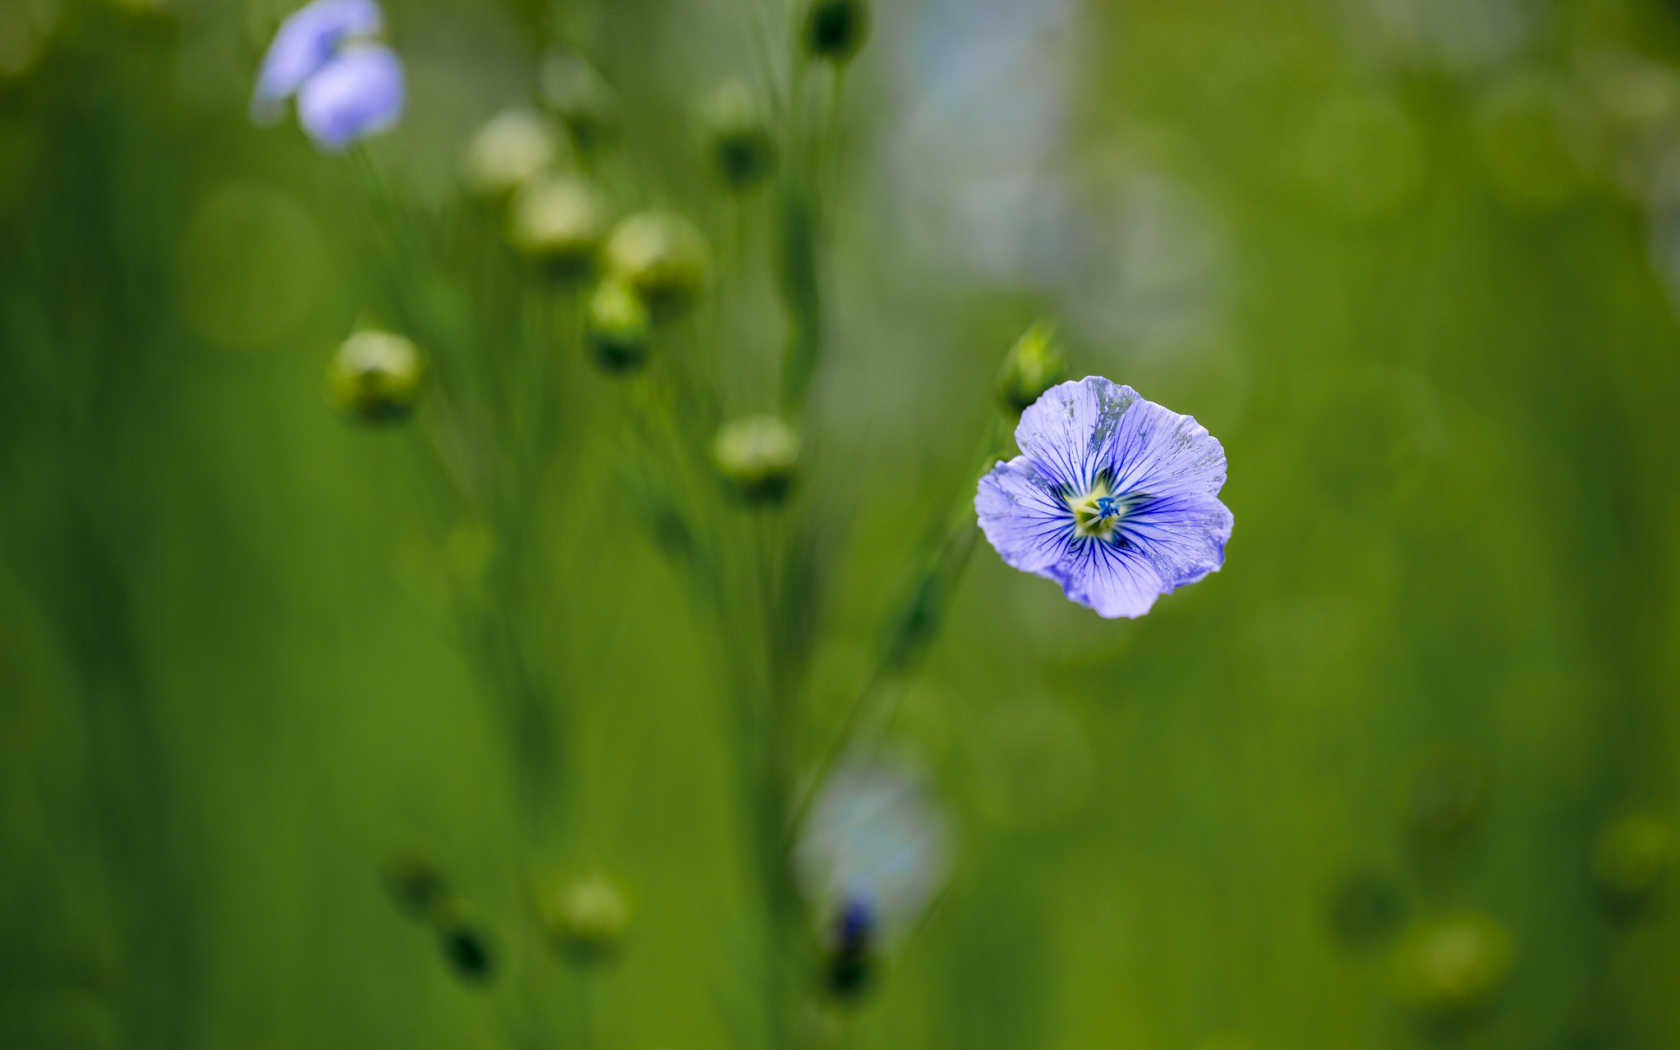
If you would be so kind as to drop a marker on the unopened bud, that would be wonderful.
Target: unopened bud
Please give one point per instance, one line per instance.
(836, 29)
(619, 331)
(1446, 968)
(758, 455)
(559, 220)
(466, 944)
(1634, 856)
(1032, 366)
(737, 136)
(509, 151)
(661, 257)
(375, 377)
(586, 918)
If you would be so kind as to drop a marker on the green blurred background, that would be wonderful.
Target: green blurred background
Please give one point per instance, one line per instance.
(1412, 261)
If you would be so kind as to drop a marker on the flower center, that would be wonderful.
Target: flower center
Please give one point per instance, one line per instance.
(1098, 512)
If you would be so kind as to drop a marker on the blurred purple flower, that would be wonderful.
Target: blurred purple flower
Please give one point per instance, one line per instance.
(347, 86)
(359, 93)
(1114, 497)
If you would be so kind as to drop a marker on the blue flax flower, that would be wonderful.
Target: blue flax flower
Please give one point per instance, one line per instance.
(347, 86)
(875, 848)
(1113, 497)
(359, 93)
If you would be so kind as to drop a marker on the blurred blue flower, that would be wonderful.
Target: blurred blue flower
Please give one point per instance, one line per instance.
(307, 41)
(361, 92)
(873, 851)
(347, 86)
(1114, 497)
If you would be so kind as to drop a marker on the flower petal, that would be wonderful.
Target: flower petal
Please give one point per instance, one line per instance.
(1183, 537)
(361, 92)
(1157, 451)
(1114, 580)
(1068, 430)
(1024, 516)
(304, 44)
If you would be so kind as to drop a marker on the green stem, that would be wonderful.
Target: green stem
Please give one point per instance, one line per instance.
(915, 625)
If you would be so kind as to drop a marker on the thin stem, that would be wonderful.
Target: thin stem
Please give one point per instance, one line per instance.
(920, 617)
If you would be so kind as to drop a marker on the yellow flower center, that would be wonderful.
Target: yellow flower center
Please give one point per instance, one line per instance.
(1098, 512)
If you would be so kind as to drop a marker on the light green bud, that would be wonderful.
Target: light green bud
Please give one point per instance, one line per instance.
(558, 219)
(1634, 855)
(661, 257)
(586, 917)
(375, 377)
(836, 29)
(619, 330)
(737, 136)
(514, 147)
(1032, 366)
(758, 455)
(1446, 968)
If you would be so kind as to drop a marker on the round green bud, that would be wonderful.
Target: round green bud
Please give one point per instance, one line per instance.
(1634, 855)
(1032, 366)
(618, 327)
(587, 917)
(758, 455)
(836, 29)
(1446, 968)
(661, 257)
(559, 220)
(467, 945)
(1442, 792)
(737, 136)
(375, 377)
(513, 148)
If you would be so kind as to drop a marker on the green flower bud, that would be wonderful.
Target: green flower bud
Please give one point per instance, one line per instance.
(559, 220)
(375, 377)
(1634, 856)
(758, 455)
(737, 136)
(1032, 366)
(661, 257)
(1446, 968)
(587, 918)
(572, 88)
(466, 943)
(1442, 792)
(836, 29)
(509, 151)
(619, 330)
